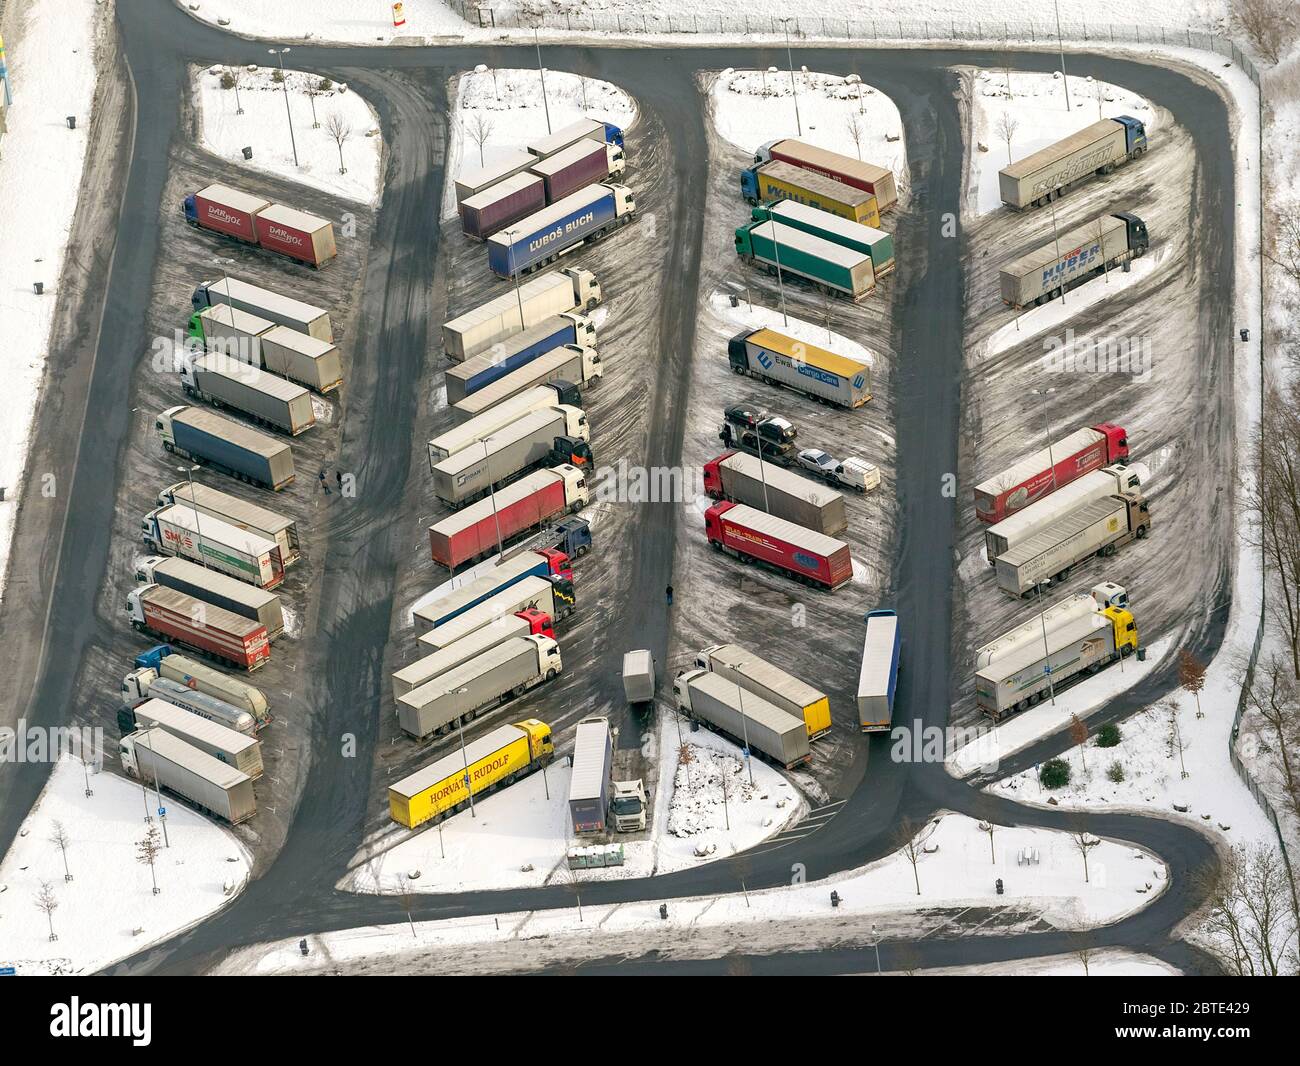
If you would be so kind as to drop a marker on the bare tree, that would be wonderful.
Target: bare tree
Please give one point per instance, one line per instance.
(480, 128)
(1274, 695)
(1191, 676)
(856, 131)
(1084, 948)
(1269, 25)
(340, 129)
(910, 838)
(1006, 128)
(1251, 911)
(1175, 732)
(147, 849)
(906, 959)
(1283, 248)
(48, 902)
(569, 879)
(1079, 737)
(60, 839)
(1082, 841)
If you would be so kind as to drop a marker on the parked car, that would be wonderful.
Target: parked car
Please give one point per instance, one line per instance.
(856, 474)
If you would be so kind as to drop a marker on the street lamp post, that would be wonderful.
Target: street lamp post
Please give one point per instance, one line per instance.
(284, 84)
(780, 283)
(794, 90)
(875, 937)
(1047, 651)
(541, 73)
(853, 79)
(188, 471)
(1065, 78)
(464, 754)
(744, 726)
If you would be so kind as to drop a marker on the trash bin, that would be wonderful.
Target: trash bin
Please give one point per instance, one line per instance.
(1142, 655)
(38, 287)
(72, 122)
(248, 152)
(1245, 335)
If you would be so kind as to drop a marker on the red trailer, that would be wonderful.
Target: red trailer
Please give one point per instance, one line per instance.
(1029, 480)
(228, 211)
(505, 202)
(809, 557)
(475, 531)
(180, 619)
(572, 169)
(296, 234)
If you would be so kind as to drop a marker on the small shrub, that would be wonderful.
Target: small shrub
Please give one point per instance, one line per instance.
(1055, 773)
(227, 80)
(1108, 735)
(1115, 772)
(277, 76)
(325, 85)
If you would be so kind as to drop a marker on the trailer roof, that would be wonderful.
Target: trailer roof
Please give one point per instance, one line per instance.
(523, 426)
(849, 195)
(511, 494)
(230, 430)
(781, 479)
(199, 763)
(244, 321)
(236, 198)
(245, 510)
(288, 337)
(590, 744)
(877, 654)
(815, 216)
(291, 306)
(548, 216)
(487, 662)
(440, 660)
(217, 583)
(501, 414)
(271, 384)
(1069, 241)
(537, 370)
(1022, 168)
(216, 529)
(1039, 460)
(755, 707)
(501, 603)
(830, 160)
(802, 536)
(1080, 603)
(507, 301)
(764, 673)
(510, 346)
(500, 189)
(479, 178)
(579, 130)
(808, 353)
(810, 244)
(453, 763)
(1068, 525)
(293, 218)
(476, 588)
(579, 149)
(215, 617)
(169, 716)
(1026, 654)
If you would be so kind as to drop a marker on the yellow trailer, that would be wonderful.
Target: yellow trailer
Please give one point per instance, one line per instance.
(784, 181)
(499, 758)
(783, 690)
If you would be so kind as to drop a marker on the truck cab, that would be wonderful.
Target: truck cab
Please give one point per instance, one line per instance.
(557, 562)
(628, 805)
(1135, 134)
(163, 426)
(624, 201)
(540, 745)
(539, 622)
(144, 569)
(749, 190)
(572, 450)
(586, 289)
(682, 682)
(134, 608)
(135, 686)
(1136, 232)
(189, 207)
(584, 331)
(576, 493)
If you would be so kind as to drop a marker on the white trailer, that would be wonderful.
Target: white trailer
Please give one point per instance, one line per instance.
(425, 669)
(157, 758)
(225, 745)
(567, 365)
(272, 306)
(553, 293)
(238, 512)
(302, 358)
(482, 426)
(214, 542)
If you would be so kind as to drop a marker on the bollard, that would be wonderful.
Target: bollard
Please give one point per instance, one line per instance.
(38, 287)
(1142, 655)
(835, 899)
(735, 300)
(302, 946)
(663, 911)
(1245, 335)
(999, 886)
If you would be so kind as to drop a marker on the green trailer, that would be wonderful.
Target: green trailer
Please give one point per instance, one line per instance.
(827, 266)
(848, 234)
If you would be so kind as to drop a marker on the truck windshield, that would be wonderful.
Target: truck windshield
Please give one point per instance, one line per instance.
(626, 806)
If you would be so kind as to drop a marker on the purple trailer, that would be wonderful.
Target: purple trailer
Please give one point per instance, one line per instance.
(505, 202)
(572, 168)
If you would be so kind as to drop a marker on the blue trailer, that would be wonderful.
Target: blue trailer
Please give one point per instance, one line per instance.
(201, 434)
(510, 354)
(593, 760)
(545, 563)
(542, 237)
(878, 679)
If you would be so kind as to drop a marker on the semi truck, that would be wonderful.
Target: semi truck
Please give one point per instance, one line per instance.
(1076, 257)
(776, 180)
(878, 677)
(233, 333)
(806, 556)
(544, 562)
(593, 762)
(1001, 537)
(1102, 595)
(501, 205)
(563, 369)
(1031, 670)
(553, 293)
(210, 630)
(166, 664)
(480, 370)
(526, 623)
(1042, 473)
(639, 677)
(875, 243)
(746, 479)
(519, 508)
(541, 238)
(748, 720)
(499, 674)
(475, 180)
(549, 436)
(239, 750)
(584, 129)
(272, 306)
(253, 220)
(500, 758)
(482, 426)
(144, 683)
(551, 595)
(154, 755)
(575, 167)
(1101, 527)
(781, 360)
(879, 181)
(269, 400)
(570, 535)
(238, 512)
(302, 358)
(208, 585)
(788, 252)
(212, 440)
(782, 690)
(181, 530)
(1095, 149)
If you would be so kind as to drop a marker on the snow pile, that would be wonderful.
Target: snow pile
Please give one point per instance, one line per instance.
(707, 784)
(108, 910)
(749, 316)
(1109, 963)
(263, 126)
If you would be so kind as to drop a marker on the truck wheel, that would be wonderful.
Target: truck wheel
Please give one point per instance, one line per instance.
(168, 446)
(550, 674)
(1127, 651)
(517, 691)
(581, 550)
(1141, 533)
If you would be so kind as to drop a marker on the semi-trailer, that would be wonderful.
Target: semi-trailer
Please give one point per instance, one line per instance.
(541, 238)
(253, 220)
(776, 180)
(1095, 149)
(502, 204)
(877, 180)
(878, 676)
(144, 683)
(475, 180)
(551, 595)
(553, 293)
(593, 762)
(181, 530)
(1018, 527)
(490, 524)
(426, 668)
(785, 251)
(1042, 473)
(500, 758)
(746, 479)
(575, 167)
(563, 369)
(499, 674)
(238, 512)
(875, 243)
(549, 436)
(272, 306)
(154, 755)
(806, 556)
(208, 585)
(1079, 255)
(544, 562)
(781, 689)
(235, 749)
(302, 358)
(478, 371)
(781, 360)
(482, 426)
(211, 440)
(639, 677)
(270, 400)
(166, 664)
(232, 332)
(210, 630)
(584, 129)
(1062, 613)
(1101, 527)
(1029, 671)
(748, 720)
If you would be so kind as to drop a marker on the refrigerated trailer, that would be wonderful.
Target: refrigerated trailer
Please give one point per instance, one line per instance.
(211, 440)
(779, 688)
(806, 556)
(272, 306)
(238, 512)
(780, 360)
(563, 369)
(545, 562)
(792, 253)
(878, 676)
(208, 585)
(551, 595)
(155, 755)
(213, 631)
(745, 719)
(746, 479)
(270, 400)
(225, 745)
(180, 530)
(423, 670)
(553, 293)
(1072, 259)
(1095, 149)
(496, 418)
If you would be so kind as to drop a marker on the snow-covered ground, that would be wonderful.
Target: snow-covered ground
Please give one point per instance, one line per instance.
(51, 61)
(956, 868)
(1100, 964)
(263, 126)
(752, 107)
(754, 316)
(108, 910)
(507, 108)
(1037, 115)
